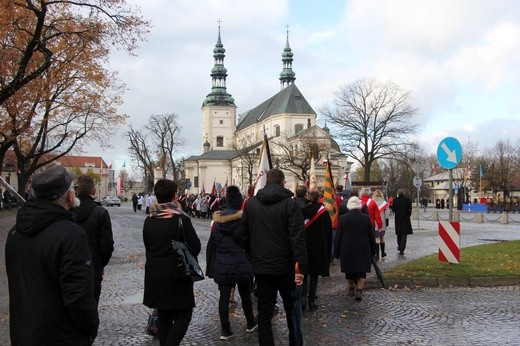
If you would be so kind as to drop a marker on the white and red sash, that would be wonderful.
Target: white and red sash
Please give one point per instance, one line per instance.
(308, 222)
(383, 206)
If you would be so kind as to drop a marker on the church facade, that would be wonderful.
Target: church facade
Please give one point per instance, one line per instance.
(231, 149)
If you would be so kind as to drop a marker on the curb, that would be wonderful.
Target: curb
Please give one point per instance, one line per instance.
(490, 281)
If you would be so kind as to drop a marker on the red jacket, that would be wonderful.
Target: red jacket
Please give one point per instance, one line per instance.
(373, 212)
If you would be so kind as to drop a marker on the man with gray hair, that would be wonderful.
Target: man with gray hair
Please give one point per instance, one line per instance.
(49, 268)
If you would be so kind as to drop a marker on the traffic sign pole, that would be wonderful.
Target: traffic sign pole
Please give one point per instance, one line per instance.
(450, 198)
(418, 208)
(449, 154)
(417, 182)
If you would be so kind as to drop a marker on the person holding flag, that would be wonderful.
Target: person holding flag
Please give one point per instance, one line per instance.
(272, 231)
(318, 227)
(331, 202)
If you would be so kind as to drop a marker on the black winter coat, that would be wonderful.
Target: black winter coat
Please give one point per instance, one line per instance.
(402, 210)
(355, 243)
(272, 230)
(95, 220)
(319, 240)
(51, 279)
(231, 265)
(161, 289)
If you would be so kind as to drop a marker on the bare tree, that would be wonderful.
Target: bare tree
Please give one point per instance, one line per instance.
(248, 154)
(501, 168)
(166, 129)
(294, 154)
(373, 120)
(142, 155)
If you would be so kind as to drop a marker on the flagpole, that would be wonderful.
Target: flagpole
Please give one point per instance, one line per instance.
(480, 186)
(268, 150)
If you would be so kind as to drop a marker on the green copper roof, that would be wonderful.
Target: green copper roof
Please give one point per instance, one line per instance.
(289, 101)
(219, 95)
(287, 76)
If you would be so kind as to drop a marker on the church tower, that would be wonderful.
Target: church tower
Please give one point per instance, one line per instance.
(218, 109)
(287, 76)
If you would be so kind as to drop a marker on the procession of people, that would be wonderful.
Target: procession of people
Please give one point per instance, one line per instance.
(272, 243)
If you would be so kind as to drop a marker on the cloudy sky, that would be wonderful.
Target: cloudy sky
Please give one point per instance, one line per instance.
(460, 59)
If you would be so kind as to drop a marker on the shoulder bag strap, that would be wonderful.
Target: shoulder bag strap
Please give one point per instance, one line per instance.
(181, 229)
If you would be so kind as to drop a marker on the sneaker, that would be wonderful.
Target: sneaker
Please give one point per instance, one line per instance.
(226, 334)
(252, 327)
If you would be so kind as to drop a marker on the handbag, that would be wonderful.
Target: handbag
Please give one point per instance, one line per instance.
(152, 324)
(187, 263)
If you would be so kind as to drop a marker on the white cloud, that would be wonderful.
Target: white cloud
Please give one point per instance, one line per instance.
(456, 57)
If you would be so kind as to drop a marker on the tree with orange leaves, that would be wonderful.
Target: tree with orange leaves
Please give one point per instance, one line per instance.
(54, 91)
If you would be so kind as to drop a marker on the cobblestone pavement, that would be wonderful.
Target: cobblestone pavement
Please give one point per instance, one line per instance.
(421, 316)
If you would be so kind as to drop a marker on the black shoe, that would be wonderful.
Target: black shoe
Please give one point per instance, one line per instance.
(401, 252)
(226, 334)
(312, 306)
(359, 295)
(383, 254)
(252, 327)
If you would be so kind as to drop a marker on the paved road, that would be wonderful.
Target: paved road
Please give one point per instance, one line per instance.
(427, 316)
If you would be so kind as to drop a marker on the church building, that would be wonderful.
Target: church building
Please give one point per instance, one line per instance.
(231, 150)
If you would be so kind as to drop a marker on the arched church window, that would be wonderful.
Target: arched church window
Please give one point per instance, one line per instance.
(277, 130)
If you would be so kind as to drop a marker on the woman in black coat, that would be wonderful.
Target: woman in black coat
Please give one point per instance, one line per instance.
(355, 245)
(318, 226)
(172, 297)
(231, 266)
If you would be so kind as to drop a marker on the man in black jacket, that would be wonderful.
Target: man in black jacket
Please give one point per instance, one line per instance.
(95, 220)
(403, 224)
(272, 230)
(49, 270)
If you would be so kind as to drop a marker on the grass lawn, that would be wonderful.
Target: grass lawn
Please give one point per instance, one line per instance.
(497, 259)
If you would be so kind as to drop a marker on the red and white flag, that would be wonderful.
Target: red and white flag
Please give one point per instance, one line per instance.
(312, 176)
(263, 168)
(214, 188)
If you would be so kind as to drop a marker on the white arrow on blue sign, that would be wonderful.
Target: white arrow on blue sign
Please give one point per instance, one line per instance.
(449, 152)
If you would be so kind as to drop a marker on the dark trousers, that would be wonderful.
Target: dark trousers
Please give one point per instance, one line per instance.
(244, 290)
(332, 254)
(310, 281)
(401, 242)
(267, 287)
(173, 325)
(97, 289)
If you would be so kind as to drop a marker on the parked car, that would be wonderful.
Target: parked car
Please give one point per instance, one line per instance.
(110, 201)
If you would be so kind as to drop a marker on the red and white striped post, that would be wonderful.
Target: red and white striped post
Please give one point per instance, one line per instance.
(449, 242)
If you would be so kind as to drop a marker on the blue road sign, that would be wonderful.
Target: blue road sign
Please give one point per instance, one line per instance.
(449, 152)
